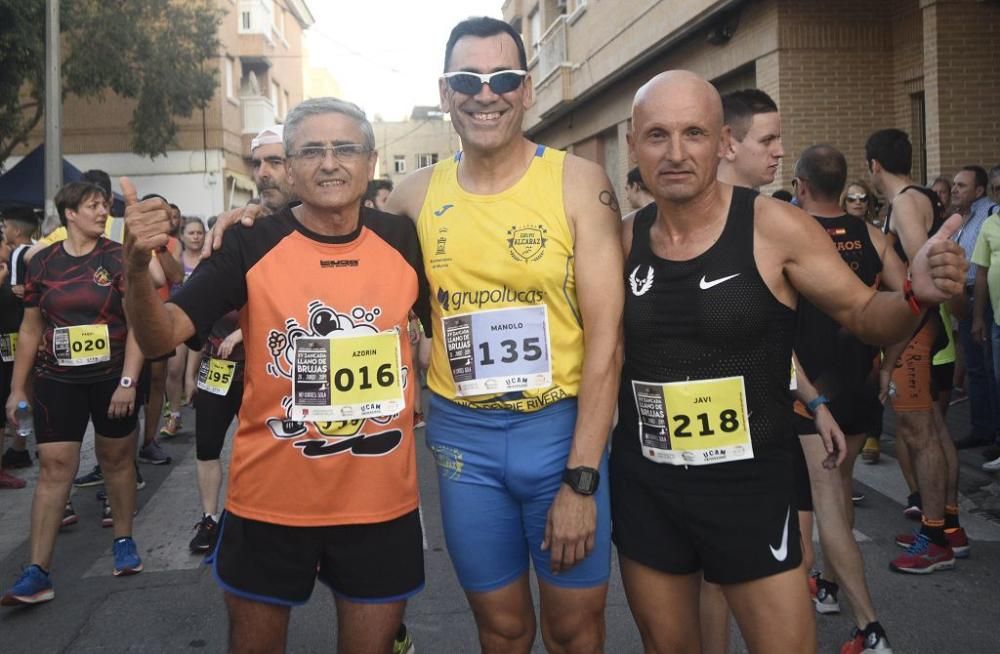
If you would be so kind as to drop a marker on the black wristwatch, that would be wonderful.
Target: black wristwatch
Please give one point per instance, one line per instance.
(583, 480)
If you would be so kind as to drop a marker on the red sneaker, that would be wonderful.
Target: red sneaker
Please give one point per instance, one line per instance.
(8, 480)
(957, 538)
(924, 557)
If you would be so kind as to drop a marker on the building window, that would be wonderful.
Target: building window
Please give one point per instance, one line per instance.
(256, 16)
(227, 77)
(535, 29)
(399, 163)
(275, 97)
(424, 160)
(288, 103)
(279, 20)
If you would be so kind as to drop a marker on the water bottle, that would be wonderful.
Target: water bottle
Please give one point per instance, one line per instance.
(25, 421)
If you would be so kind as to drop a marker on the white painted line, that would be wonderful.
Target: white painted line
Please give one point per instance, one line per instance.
(165, 525)
(886, 478)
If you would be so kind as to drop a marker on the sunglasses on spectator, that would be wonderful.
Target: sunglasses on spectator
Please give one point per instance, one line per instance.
(857, 197)
(500, 82)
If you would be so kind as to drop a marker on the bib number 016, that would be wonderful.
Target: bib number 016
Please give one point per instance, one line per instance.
(344, 379)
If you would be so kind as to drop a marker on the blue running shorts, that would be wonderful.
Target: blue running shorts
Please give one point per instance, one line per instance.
(499, 471)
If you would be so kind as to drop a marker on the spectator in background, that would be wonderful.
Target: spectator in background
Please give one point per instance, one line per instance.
(377, 194)
(636, 191)
(986, 325)
(994, 189)
(858, 200)
(968, 195)
(942, 186)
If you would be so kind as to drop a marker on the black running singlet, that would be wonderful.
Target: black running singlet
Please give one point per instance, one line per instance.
(936, 223)
(709, 317)
(833, 358)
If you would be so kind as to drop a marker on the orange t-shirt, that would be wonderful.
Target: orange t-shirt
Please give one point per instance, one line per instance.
(291, 283)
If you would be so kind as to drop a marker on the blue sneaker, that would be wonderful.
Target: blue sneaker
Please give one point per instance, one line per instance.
(34, 587)
(127, 561)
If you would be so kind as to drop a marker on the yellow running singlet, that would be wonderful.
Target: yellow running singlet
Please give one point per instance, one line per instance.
(508, 331)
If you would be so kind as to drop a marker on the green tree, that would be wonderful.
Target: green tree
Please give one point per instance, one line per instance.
(150, 51)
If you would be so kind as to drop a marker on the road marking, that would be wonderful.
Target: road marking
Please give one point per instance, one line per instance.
(886, 478)
(165, 525)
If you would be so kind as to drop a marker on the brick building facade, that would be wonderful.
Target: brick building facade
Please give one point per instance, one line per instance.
(260, 77)
(838, 69)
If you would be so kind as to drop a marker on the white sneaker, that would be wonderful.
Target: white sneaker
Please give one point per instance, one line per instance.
(992, 466)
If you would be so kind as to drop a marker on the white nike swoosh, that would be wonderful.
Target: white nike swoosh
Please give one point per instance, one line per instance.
(781, 553)
(705, 285)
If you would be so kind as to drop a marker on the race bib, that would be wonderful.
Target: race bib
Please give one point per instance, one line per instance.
(81, 345)
(8, 347)
(693, 422)
(216, 375)
(347, 377)
(499, 351)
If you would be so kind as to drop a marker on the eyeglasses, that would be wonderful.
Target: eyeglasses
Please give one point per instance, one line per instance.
(344, 153)
(857, 197)
(500, 82)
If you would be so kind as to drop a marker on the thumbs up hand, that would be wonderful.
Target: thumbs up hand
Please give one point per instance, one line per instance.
(147, 226)
(938, 270)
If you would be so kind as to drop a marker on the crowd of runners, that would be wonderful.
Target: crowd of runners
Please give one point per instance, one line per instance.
(710, 364)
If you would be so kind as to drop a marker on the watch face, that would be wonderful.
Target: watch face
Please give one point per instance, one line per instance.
(586, 479)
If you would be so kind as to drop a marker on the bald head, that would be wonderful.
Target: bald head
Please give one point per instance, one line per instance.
(677, 135)
(679, 89)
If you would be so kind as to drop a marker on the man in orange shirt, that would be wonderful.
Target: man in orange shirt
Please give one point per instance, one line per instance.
(323, 474)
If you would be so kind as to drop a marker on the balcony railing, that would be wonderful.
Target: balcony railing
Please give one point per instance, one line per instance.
(552, 50)
(258, 113)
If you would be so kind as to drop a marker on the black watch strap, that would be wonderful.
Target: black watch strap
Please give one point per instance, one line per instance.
(583, 480)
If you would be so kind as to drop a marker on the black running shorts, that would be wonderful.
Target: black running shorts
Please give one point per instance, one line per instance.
(275, 564)
(730, 537)
(803, 488)
(942, 379)
(213, 415)
(62, 411)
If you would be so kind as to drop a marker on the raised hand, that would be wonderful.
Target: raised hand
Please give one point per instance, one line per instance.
(938, 271)
(147, 226)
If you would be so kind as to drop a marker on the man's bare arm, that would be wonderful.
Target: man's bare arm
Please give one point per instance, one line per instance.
(815, 269)
(407, 198)
(158, 327)
(594, 215)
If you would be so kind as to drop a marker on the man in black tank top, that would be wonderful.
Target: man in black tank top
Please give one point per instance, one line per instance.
(915, 214)
(838, 375)
(701, 448)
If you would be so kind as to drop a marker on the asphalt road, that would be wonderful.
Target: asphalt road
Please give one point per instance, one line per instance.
(175, 605)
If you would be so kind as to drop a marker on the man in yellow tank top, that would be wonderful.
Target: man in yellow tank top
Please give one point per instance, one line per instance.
(522, 252)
